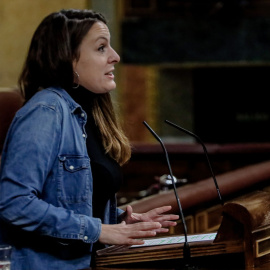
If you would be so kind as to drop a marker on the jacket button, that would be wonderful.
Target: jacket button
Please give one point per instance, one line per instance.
(71, 167)
(85, 238)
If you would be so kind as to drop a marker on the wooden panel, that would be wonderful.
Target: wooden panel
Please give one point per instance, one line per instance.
(208, 220)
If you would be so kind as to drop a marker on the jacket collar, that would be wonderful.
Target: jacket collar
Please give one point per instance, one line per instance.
(64, 94)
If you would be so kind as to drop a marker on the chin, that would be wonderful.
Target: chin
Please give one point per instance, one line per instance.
(109, 89)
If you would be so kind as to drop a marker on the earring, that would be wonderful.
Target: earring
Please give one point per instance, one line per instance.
(76, 86)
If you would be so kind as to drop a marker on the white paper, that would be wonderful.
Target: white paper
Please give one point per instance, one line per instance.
(176, 240)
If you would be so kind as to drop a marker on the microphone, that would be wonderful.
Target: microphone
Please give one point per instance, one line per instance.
(186, 250)
(206, 154)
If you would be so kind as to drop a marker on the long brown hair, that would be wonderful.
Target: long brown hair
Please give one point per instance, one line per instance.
(54, 46)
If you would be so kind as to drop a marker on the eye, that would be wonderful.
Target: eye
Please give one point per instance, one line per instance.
(101, 48)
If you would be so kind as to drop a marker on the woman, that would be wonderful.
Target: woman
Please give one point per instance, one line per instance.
(61, 164)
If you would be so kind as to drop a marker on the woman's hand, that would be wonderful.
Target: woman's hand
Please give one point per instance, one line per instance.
(154, 215)
(127, 234)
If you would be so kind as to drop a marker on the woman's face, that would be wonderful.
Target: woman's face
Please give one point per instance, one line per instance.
(97, 59)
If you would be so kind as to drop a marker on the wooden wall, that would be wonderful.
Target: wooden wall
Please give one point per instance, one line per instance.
(18, 20)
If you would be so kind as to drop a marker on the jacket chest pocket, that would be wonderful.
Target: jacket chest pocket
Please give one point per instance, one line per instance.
(74, 179)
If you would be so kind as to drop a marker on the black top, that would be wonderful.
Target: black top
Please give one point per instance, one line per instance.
(106, 172)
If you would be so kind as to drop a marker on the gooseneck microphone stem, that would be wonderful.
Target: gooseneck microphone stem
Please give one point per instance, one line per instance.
(206, 154)
(186, 251)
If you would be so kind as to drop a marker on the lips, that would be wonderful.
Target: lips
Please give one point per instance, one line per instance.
(110, 74)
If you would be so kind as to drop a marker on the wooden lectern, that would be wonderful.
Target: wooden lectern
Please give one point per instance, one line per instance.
(244, 233)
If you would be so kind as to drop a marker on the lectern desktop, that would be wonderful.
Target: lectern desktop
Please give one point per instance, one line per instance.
(244, 235)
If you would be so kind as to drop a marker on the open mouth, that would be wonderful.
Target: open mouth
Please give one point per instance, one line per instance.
(110, 74)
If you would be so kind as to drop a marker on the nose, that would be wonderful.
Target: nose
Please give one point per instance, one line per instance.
(114, 57)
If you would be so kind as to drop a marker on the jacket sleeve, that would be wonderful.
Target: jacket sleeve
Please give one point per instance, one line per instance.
(30, 150)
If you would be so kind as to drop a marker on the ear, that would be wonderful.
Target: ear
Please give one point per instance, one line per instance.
(74, 64)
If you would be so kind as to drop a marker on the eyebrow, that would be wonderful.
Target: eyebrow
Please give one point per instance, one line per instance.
(102, 37)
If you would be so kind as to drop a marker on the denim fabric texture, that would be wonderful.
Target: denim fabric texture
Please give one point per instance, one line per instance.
(46, 186)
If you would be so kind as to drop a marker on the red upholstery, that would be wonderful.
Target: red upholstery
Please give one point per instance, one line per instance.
(10, 102)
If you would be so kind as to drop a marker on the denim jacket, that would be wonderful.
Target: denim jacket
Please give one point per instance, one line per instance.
(46, 186)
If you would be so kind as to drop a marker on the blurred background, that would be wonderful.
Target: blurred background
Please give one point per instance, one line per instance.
(202, 64)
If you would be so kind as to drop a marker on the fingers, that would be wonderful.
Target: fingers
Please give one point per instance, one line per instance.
(168, 223)
(144, 226)
(170, 219)
(160, 210)
(129, 210)
(163, 219)
(128, 234)
(136, 242)
(128, 215)
(162, 230)
(143, 234)
(148, 229)
(142, 230)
